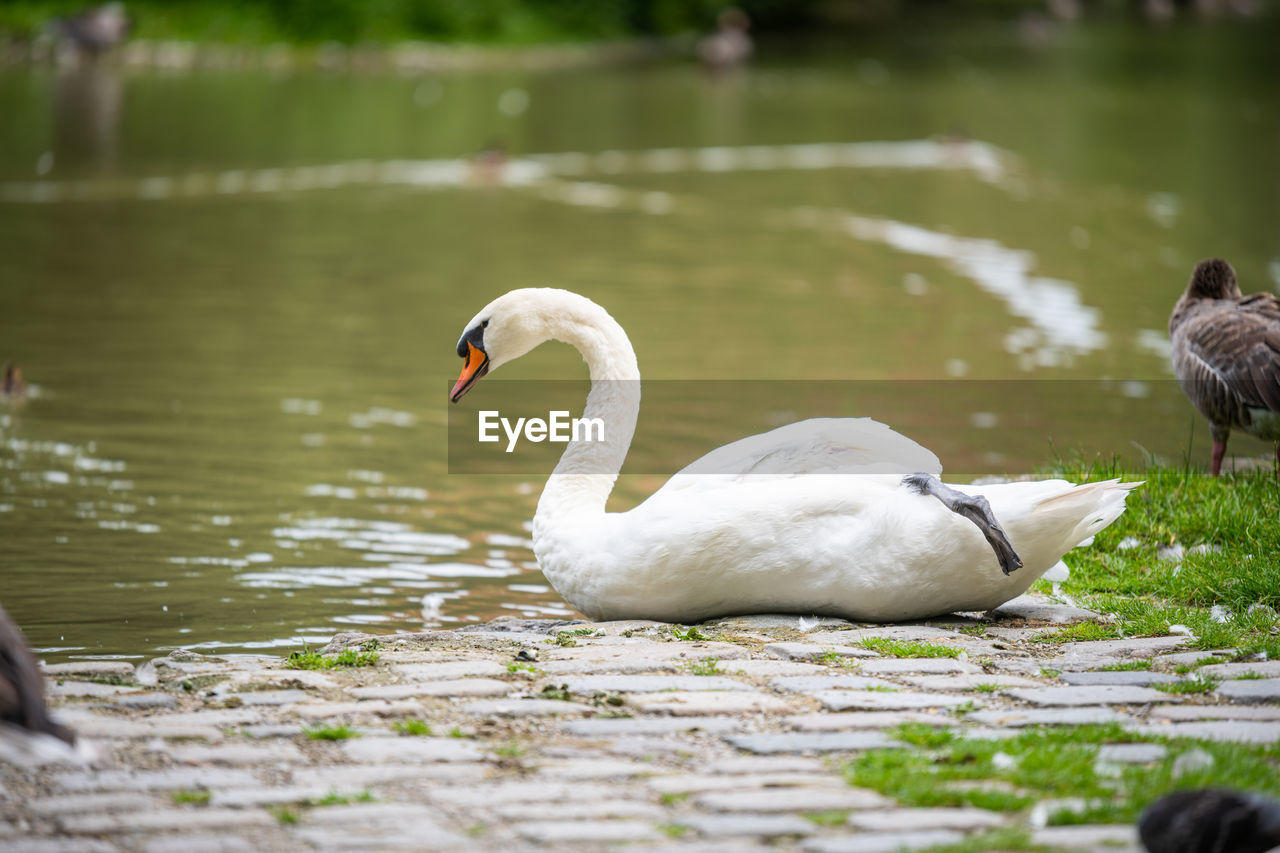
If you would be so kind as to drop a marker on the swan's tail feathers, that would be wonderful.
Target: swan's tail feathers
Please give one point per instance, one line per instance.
(1082, 511)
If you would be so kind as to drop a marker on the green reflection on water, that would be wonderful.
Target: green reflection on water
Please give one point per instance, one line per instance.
(225, 381)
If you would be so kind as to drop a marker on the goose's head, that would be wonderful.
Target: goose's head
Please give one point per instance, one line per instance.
(505, 329)
(1213, 279)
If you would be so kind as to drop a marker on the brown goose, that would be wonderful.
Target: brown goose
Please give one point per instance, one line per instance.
(1226, 355)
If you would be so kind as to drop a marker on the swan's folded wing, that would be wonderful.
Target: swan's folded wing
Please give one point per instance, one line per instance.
(818, 446)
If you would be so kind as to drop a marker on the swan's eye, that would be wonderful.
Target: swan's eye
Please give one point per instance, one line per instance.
(484, 324)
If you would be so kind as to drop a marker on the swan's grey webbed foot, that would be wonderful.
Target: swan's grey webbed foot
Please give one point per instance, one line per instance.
(973, 507)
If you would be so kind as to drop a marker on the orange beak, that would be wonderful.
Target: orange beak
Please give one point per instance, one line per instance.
(477, 365)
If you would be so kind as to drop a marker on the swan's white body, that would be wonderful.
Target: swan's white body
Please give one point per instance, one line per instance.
(808, 518)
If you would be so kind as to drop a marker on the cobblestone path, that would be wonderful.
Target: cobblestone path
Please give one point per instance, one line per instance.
(594, 736)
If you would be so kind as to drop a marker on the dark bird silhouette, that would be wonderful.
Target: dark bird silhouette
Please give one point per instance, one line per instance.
(94, 31)
(1210, 821)
(13, 387)
(1226, 355)
(730, 45)
(22, 685)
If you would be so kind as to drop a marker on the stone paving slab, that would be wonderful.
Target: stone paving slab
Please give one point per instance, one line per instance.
(1227, 731)
(1123, 678)
(566, 831)
(526, 708)
(1086, 836)
(591, 684)
(238, 753)
(448, 687)
(1017, 718)
(1036, 610)
(1216, 712)
(692, 783)
(812, 651)
(646, 754)
(1093, 695)
(814, 683)
(760, 826)
(701, 704)
(204, 843)
(898, 666)
(826, 722)
(425, 749)
(163, 819)
(867, 700)
(884, 842)
(651, 726)
(967, 682)
(894, 820)
(1260, 690)
(586, 811)
(791, 799)
(765, 744)
(1264, 668)
(92, 668)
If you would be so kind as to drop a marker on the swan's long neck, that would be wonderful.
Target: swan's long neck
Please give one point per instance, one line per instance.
(580, 484)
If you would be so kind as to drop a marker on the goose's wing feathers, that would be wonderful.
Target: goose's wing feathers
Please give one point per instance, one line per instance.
(1230, 356)
(819, 446)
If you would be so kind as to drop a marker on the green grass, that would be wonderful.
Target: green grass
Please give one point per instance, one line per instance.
(709, 666)
(671, 798)
(333, 798)
(411, 727)
(1234, 514)
(308, 659)
(905, 649)
(986, 687)
(688, 635)
(522, 666)
(834, 817)
(323, 732)
(837, 659)
(285, 815)
(1188, 685)
(674, 830)
(1249, 676)
(1052, 763)
(195, 796)
(1079, 632)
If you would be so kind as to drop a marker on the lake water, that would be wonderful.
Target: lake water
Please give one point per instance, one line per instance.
(237, 295)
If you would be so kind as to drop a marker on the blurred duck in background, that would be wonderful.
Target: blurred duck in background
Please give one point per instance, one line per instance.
(730, 45)
(13, 388)
(91, 33)
(22, 708)
(1226, 355)
(1210, 821)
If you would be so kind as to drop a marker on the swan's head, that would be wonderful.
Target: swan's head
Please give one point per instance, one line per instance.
(505, 329)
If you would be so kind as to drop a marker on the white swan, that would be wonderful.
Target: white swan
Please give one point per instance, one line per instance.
(749, 528)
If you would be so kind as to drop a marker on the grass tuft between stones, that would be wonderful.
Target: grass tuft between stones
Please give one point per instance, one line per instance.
(412, 727)
(196, 796)
(324, 732)
(308, 659)
(906, 649)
